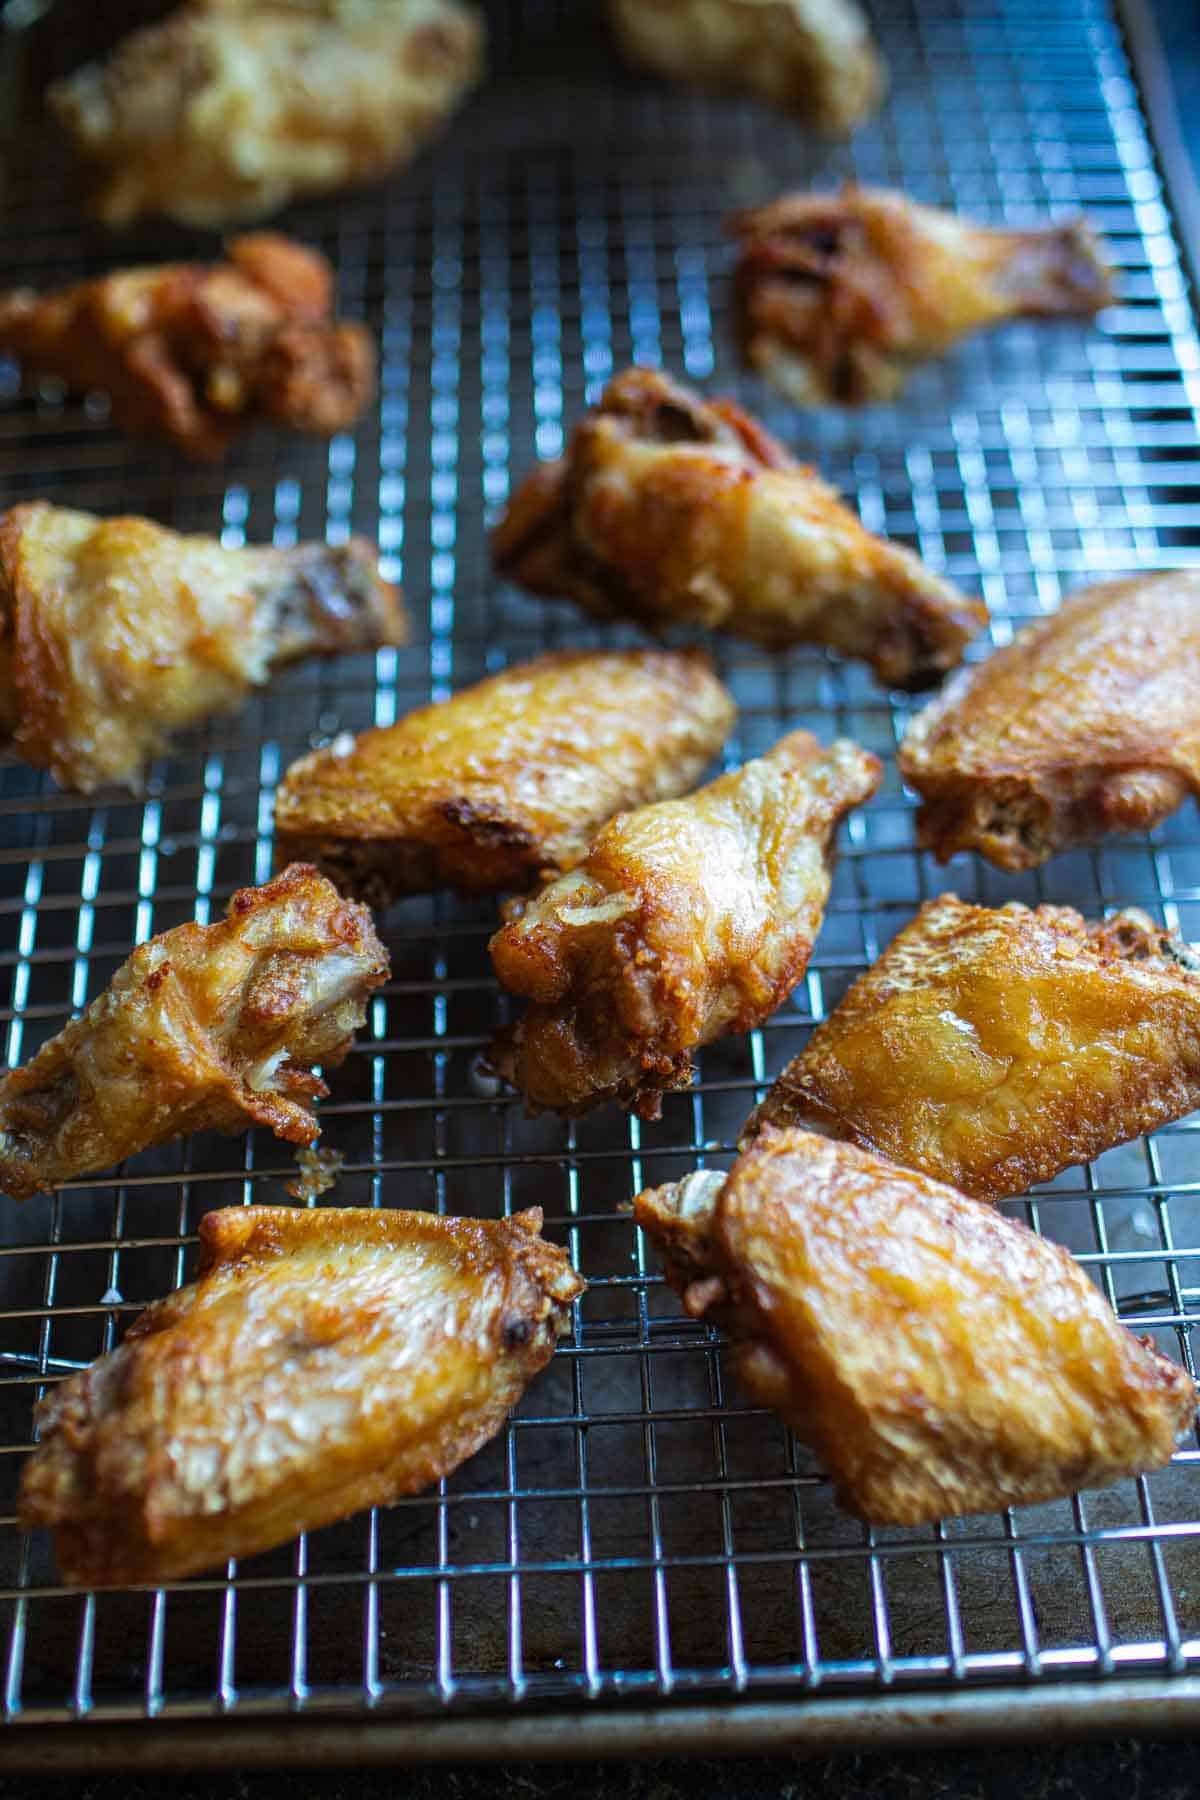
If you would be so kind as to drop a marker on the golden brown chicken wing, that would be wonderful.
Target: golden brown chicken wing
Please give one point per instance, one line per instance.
(1086, 723)
(227, 109)
(509, 780)
(204, 1028)
(839, 295)
(114, 633)
(685, 921)
(814, 57)
(671, 509)
(992, 1048)
(193, 352)
(322, 1362)
(938, 1357)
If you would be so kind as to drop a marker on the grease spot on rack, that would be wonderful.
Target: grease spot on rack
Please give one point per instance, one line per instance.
(481, 1079)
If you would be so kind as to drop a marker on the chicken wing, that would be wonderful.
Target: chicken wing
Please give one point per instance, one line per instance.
(670, 509)
(1086, 723)
(206, 1027)
(839, 295)
(322, 1362)
(814, 57)
(938, 1357)
(685, 921)
(228, 109)
(992, 1048)
(114, 633)
(193, 352)
(509, 780)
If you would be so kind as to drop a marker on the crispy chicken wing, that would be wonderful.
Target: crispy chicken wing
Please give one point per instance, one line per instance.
(322, 1362)
(938, 1357)
(206, 1027)
(193, 352)
(509, 780)
(1086, 723)
(671, 509)
(114, 633)
(227, 109)
(839, 295)
(685, 921)
(992, 1048)
(814, 57)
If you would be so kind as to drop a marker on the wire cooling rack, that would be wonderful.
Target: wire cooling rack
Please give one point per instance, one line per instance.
(637, 1534)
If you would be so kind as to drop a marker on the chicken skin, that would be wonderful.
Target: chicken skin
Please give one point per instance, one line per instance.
(194, 352)
(812, 57)
(204, 1028)
(322, 1362)
(508, 781)
(685, 921)
(1085, 724)
(114, 633)
(838, 296)
(938, 1357)
(670, 509)
(992, 1048)
(228, 109)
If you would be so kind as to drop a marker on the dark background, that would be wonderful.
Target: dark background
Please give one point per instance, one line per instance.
(1124, 1770)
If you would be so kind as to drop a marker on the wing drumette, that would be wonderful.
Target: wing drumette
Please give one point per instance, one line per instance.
(114, 633)
(1087, 723)
(207, 1027)
(939, 1357)
(508, 780)
(227, 109)
(992, 1048)
(673, 510)
(840, 295)
(322, 1362)
(193, 352)
(814, 57)
(685, 921)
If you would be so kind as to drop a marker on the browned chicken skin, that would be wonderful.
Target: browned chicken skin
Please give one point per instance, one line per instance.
(938, 1357)
(227, 109)
(814, 57)
(206, 1027)
(685, 921)
(992, 1048)
(840, 295)
(194, 352)
(673, 510)
(507, 781)
(1086, 723)
(321, 1363)
(115, 633)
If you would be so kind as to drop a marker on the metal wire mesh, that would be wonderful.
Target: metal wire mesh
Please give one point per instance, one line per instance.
(637, 1529)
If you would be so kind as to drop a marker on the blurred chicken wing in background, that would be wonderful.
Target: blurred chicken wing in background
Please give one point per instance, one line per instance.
(838, 296)
(227, 109)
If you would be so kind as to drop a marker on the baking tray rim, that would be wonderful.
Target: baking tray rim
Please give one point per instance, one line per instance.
(816, 1725)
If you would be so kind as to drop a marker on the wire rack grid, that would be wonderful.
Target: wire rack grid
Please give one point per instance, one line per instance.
(637, 1530)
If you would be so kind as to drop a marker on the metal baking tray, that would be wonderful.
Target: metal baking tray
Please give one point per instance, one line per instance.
(640, 1559)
